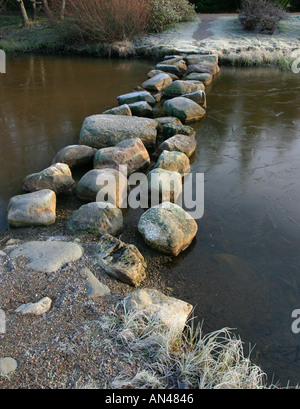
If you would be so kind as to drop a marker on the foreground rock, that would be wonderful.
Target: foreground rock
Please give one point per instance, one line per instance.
(156, 306)
(120, 260)
(32, 209)
(57, 177)
(7, 366)
(180, 143)
(158, 82)
(130, 154)
(48, 256)
(173, 161)
(97, 217)
(167, 228)
(103, 185)
(38, 308)
(93, 286)
(184, 109)
(75, 155)
(101, 131)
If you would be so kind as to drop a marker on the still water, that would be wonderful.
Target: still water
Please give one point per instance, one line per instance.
(243, 269)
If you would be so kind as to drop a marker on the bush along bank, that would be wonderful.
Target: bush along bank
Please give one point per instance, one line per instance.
(148, 131)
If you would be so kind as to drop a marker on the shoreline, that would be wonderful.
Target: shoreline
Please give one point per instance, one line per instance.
(234, 45)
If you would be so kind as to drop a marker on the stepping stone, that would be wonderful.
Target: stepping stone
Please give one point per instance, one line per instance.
(184, 109)
(180, 143)
(75, 155)
(173, 161)
(138, 96)
(103, 185)
(204, 67)
(199, 97)
(57, 177)
(130, 154)
(178, 88)
(162, 185)
(198, 58)
(97, 217)
(158, 83)
(167, 228)
(101, 131)
(32, 209)
(167, 120)
(169, 311)
(206, 78)
(141, 108)
(48, 256)
(120, 110)
(122, 261)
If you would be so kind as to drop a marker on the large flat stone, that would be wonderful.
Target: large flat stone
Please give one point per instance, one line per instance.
(48, 256)
(101, 131)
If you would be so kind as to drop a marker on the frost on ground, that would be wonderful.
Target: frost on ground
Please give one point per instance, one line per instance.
(226, 36)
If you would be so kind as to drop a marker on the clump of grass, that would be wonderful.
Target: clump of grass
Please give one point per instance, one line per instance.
(260, 58)
(187, 360)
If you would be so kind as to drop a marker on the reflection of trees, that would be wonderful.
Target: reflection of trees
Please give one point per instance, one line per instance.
(43, 102)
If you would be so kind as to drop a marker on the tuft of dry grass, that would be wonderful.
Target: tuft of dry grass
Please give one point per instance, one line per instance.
(189, 360)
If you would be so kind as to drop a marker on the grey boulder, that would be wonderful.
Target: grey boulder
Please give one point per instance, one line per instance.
(184, 109)
(122, 261)
(32, 209)
(97, 217)
(101, 131)
(167, 228)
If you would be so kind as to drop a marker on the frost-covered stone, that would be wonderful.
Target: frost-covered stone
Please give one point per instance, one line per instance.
(38, 308)
(170, 311)
(167, 228)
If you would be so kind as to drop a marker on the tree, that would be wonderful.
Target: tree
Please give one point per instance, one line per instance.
(23, 12)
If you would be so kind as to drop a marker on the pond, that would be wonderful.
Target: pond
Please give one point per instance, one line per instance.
(243, 269)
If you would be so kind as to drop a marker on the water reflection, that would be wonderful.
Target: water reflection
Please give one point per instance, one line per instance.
(43, 101)
(244, 269)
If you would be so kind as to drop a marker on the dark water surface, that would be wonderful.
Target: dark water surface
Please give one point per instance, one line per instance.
(243, 270)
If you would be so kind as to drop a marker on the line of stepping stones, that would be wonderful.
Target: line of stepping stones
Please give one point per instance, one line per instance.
(152, 118)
